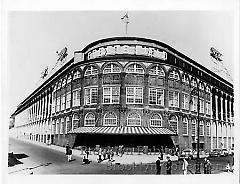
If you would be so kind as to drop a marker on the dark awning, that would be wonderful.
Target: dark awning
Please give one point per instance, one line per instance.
(123, 130)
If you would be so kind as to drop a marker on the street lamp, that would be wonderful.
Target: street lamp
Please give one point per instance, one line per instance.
(195, 91)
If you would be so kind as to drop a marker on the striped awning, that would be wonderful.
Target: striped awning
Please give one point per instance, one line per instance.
(123, 130)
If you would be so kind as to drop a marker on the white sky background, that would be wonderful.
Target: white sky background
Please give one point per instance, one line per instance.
(30, 42)
(34, 38)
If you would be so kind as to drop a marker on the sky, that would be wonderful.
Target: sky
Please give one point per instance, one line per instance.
(35, 36)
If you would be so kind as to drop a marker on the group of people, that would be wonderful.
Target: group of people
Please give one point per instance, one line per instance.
(207, 167)
(168, 165)
(104, 154)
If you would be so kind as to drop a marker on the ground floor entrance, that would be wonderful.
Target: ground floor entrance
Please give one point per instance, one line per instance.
(104, 140)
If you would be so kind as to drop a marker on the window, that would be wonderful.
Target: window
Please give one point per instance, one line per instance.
(133, 119)
(76, 97)
(111, 95)
(111, 68)
(208, 106)
(134, 95)
(68, 100)
(208, 130)
(53, 104)
(201, 128)
(185, 101)
(75, 121)
(89, 119)
(156, 120)
(194, 129)
(91, 96)
(58, 126)
(58, 104)
(185, 79)
(173, 75)
(157, 70)
(194, 103)
(156, 96)
(110, 119)
(69, 79)
(185, 126)
(62, 126)
(67, 125)
(174, 124)
(91, 70)
(173, 99)
(201, 105)
(63, 102)
(76, 75)
(194, 83)
(135, 68)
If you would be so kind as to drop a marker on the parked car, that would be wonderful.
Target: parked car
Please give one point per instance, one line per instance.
(202, 154)
(231, 151)
(224, 152)
(218, 152)
(215, 153)
(187, 154)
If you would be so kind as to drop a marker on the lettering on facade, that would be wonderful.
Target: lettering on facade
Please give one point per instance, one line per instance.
(127, 49)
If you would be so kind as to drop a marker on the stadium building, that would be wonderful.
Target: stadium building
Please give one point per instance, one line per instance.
(129, 91)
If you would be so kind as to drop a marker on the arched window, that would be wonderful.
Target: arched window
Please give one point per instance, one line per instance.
(69, 79)
(173, 75)
(76, 74)
(135, 68)
(111, 68)
(75, 121)
(110, 119)
(185, 79)
(201, 128)
(193, 83)
(185, 126)
(91, 70)
(64, 82)
(194, 128)
(157, 70)
(208, 130)
(89, 119)
(156, 120)
(174, 124)
(133, 119)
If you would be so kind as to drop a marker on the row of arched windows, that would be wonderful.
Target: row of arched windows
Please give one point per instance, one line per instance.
(134, 119)
(136, 68)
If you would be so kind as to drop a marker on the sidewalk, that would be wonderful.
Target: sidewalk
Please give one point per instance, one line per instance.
(129, 158)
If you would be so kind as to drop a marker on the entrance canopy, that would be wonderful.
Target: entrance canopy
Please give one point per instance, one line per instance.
(123, 130)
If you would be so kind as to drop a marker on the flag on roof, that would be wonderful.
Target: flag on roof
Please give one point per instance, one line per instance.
(125, 18)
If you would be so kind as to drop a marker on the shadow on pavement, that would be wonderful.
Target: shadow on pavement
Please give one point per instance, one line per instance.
(13, 159)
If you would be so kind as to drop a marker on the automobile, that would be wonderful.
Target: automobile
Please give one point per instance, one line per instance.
(202, 154)
(218, 152)
(224, 152)
(187, 154)
(231, 151)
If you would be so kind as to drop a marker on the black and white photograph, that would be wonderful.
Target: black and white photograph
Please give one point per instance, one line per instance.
(122, 92)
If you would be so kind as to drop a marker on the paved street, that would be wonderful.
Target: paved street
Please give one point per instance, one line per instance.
(45, 159)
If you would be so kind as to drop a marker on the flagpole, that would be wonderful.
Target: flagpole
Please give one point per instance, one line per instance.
(126, 28)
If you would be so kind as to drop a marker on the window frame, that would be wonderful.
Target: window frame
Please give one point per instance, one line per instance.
(104, 119)
(132, 119)
(134, 95)
(160, 119)
(85, 118)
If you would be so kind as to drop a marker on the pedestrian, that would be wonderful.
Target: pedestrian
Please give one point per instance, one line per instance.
(158, 165)
(185, 166)
(87, 153)
(70, 154)
(67, 151)
(99, 155)
(169, 165)
(205, 166)
(228, 167)
(209, 167)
